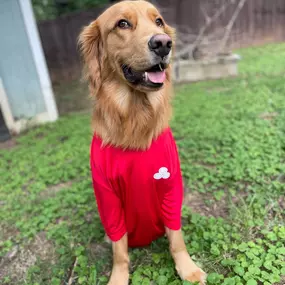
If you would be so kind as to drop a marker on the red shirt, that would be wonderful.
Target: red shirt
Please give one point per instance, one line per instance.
(138, 192)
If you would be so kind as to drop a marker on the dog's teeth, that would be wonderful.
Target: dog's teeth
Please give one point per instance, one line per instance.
(145, 76)
(160, 67)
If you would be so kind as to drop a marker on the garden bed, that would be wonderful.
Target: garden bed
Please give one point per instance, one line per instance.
(222, 66)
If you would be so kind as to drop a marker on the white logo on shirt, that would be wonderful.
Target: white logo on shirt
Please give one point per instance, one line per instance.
(162, 173)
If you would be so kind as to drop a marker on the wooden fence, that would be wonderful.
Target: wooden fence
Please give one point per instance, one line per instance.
(259, 21)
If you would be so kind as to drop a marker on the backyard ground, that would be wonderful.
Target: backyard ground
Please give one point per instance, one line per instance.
(231, 139)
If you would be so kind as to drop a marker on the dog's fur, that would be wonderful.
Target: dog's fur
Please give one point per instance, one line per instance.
(124, 116)
(129, 116)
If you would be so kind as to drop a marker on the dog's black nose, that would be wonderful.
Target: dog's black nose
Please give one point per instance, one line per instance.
(160, 45)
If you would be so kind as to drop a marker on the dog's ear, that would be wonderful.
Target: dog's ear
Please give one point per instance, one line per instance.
(92, 51)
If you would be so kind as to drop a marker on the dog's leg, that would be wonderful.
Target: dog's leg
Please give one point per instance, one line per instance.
(120, 270)
(186, 268)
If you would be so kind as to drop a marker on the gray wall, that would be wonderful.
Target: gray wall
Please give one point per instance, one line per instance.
(17, 67)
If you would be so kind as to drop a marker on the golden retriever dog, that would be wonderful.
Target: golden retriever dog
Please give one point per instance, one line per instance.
(135, 167)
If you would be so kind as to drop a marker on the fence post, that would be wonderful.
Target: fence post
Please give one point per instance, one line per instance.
(251, 18)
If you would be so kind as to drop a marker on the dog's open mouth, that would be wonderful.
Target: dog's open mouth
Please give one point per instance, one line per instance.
(153, 77)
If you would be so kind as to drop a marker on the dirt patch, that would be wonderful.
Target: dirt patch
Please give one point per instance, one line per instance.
(215, 203)
(281, 178)
(198, 203)
(102, 251)
(281, 202)
(8, 231)
(52, 190)
(8, 144)
(268, 116)
(282, 282)
(16, 263)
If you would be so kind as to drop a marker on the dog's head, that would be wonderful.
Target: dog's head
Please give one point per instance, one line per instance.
(131, 41)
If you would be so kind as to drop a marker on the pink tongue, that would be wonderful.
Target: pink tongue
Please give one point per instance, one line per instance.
(156, 77)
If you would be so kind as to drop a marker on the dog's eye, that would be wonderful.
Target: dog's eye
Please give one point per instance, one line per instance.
(159, 22)
(124, 24)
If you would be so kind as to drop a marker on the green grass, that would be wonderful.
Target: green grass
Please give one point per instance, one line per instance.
(231, 139)
(264, 60)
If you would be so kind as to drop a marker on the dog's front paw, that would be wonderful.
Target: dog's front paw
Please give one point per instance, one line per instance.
(198, 275)
(188, 270)
(119, 276)
(118, 281)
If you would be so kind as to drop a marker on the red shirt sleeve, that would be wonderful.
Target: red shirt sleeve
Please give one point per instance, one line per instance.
(109, 206)
(173, 195)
